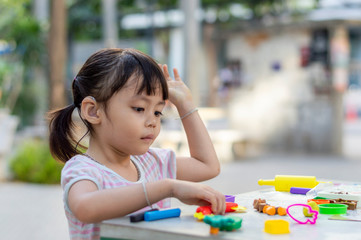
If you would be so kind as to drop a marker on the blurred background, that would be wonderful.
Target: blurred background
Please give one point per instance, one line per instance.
(277, 82)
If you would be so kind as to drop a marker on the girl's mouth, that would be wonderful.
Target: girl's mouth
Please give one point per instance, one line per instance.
(148, 137)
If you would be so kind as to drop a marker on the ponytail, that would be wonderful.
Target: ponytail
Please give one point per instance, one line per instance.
(62, 143)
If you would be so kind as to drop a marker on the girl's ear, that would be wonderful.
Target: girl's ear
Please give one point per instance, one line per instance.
(89, 110)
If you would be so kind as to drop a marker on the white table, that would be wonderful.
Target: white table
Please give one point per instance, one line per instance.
(187, 227)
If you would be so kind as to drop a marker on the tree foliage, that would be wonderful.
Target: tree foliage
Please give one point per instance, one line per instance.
(34, 163)
(19, 27)
(20, 30)
(85, 15)
(84, 19)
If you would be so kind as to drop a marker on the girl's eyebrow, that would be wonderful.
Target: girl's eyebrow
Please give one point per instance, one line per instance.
(146, 99)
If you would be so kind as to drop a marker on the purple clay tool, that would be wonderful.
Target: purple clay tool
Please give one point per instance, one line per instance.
(229, 198)
(297, 190)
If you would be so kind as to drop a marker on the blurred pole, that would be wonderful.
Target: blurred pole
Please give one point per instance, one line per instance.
(110, 24)
(340, 55)
(150, 29)
(41, 13)
(176, 50)
(211, 47)
(41, 10)
(191, 34)
(57, 53)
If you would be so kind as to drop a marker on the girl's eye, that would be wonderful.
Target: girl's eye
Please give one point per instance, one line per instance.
(158, 114)
(138, 109)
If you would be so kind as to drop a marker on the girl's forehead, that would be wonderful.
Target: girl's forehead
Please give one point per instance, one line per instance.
(134, 81)
(134, 84)
(133, 91)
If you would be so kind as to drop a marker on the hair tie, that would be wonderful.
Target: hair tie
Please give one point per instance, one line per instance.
(74, 105)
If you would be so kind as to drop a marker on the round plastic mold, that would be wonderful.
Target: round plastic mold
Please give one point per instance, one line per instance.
(332, 208)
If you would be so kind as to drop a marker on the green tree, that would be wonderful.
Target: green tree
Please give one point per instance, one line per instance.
(25, 36)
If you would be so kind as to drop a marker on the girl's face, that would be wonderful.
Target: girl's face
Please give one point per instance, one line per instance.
(132, 121)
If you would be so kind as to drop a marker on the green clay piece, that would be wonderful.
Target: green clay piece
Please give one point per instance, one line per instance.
(224, 223)
(320, 198)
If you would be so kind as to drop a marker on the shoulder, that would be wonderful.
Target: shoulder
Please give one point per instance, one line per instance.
(80, 167)
(158, 156)
(79, 162)
(159, 160)
(160, 153)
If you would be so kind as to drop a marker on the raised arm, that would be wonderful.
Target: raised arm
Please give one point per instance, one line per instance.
(203, 162)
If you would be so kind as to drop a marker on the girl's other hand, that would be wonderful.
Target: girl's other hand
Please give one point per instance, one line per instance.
(179, 93)
(199, 194)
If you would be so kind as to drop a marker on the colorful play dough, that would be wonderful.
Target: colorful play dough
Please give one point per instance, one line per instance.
(224, 223)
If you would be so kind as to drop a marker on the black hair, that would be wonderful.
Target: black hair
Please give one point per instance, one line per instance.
(102, 75)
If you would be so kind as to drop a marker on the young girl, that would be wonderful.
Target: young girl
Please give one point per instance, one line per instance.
(120, 95)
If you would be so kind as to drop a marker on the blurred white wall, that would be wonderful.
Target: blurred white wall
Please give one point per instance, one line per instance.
(279, 108)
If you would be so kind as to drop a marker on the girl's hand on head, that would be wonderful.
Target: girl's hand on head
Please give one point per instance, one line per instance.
(199, 194)
(179, 93)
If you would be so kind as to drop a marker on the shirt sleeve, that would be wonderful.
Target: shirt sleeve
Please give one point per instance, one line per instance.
(77, 169)
(166, 159)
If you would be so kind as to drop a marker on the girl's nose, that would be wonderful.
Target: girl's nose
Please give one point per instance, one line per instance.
(151, 122)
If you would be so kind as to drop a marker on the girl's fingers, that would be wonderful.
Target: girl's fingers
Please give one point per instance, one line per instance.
(221, 204)
(164, 68)
(212, 199)
(214, 205)
(176, 75)
(166, 72)
(215, 199)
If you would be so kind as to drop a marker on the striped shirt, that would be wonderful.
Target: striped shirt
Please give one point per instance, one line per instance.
(154, 165)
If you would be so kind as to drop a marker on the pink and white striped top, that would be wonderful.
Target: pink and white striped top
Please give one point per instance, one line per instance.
(154, 165)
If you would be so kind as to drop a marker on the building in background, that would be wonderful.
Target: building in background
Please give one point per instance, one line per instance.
(296, 66)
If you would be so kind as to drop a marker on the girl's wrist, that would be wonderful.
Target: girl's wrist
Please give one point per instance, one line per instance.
(188, 113)
(185, 108)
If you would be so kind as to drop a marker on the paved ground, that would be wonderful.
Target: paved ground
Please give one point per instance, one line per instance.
(29, 211)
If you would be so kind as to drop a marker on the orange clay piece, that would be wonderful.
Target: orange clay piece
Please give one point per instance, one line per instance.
(271, 210)
(265, 208)
(319, 201)
(213, 230)
(261, 206)
(281, 211)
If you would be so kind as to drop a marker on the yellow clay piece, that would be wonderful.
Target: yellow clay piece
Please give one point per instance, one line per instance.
(239, 209)
(199, 216)
(313, 205)
(277, 226)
